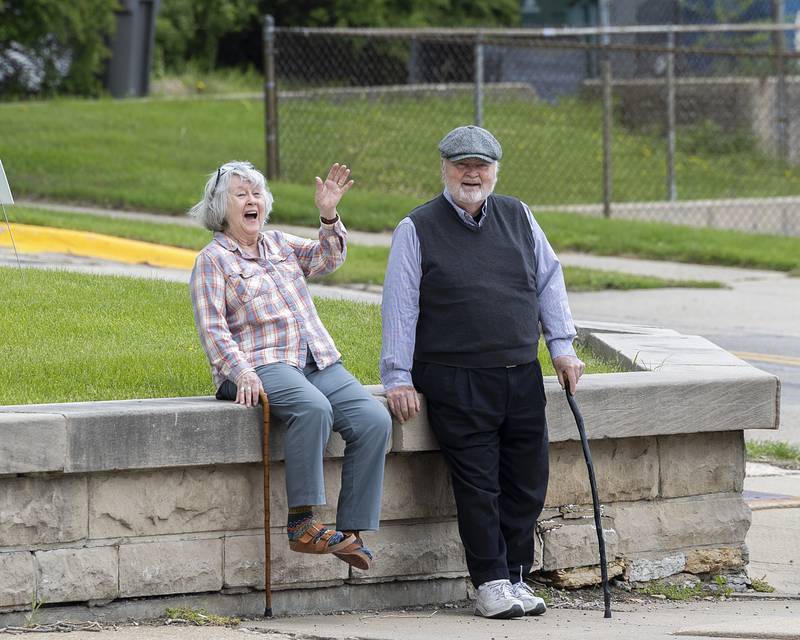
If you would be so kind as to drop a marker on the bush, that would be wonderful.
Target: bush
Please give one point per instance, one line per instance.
(709, 138)
(190, 31)
(52, 46)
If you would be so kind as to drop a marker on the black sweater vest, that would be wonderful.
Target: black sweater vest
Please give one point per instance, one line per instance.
(478, 302)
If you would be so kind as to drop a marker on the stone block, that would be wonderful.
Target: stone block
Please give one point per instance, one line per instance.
(689, 400)
(578, 577)
(145, 434)
(643, 569)
(23, 438)
(301, 570)
(417, 486)
(699, 463)
(176, 566)
(575, 545)
(414, 434)
(576, 511)
(662, 352)
(419, 549)
(72, 575)
(538, 553)
(569, 481)
(223, 498)
(680, 523)
(244, 564)
(42, 510)
(244, 561)
(714, 561)
(17, 578)
(188, 500)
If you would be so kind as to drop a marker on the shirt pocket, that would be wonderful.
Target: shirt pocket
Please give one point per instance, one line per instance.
(286, 265)
(245, 281)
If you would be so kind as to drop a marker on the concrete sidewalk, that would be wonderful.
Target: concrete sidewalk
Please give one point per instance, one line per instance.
(773, 495)
(734, 618)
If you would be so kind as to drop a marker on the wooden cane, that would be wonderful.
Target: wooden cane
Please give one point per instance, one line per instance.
(267, 562)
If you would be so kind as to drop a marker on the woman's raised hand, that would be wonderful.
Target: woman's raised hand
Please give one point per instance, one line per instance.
(330, 191)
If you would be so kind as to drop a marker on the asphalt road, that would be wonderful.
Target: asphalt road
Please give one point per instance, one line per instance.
(756, 317)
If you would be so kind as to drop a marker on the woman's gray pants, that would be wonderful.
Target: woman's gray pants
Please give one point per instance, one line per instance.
(311, 403)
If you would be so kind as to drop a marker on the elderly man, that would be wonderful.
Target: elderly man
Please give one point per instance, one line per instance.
(470, 277)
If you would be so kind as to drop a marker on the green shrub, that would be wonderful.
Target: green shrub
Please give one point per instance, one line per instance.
(188, 31)
(708, 138)
(59, 46)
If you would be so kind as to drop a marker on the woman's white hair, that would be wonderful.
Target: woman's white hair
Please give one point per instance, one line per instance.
(212, 210)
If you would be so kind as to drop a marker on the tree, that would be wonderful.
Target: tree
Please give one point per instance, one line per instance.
(49, 46)
(190, 30)
(395, 13)
(727, 12)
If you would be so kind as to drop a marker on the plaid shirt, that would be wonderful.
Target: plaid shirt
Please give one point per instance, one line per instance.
(250, 312)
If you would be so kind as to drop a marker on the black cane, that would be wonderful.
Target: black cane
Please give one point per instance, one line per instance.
(573, 405)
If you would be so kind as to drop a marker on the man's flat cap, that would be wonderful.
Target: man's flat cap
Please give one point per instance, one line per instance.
(470, 142)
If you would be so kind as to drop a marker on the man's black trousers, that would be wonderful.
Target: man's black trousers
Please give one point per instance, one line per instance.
(491, 428)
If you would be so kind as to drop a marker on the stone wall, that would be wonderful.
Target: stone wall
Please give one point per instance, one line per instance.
(109, 502)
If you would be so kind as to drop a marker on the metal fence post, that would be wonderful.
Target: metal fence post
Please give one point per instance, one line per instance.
(479, 79)
(270, 100)
(608, 107)
(781, 119)
(672, 190)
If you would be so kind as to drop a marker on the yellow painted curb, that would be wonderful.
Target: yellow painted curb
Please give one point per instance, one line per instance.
(34, 239)
(767, 357)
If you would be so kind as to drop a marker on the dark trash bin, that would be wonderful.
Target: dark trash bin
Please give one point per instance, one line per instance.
(132, 48)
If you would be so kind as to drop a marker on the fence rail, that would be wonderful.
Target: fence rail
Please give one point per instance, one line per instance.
(646, 121)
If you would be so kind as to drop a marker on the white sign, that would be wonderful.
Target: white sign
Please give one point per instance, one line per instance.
(5, 190)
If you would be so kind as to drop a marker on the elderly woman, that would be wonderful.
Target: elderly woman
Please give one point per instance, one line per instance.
(260, 330)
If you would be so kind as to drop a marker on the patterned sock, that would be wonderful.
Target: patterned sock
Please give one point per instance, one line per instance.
(298, 523)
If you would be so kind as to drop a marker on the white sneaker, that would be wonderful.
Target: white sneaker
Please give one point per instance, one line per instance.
(533, 604)
(496, 599)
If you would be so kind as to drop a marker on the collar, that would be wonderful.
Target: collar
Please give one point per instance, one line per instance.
(231, 245)
(463, 214)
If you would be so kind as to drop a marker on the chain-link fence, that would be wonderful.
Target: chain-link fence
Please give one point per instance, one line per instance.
(692, 124)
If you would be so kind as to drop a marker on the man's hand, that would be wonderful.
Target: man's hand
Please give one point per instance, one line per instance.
(569, 370)
(403, 402)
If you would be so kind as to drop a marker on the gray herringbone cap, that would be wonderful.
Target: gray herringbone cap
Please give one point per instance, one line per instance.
(470, 142)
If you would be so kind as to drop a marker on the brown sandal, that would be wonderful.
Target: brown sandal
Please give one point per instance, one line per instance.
(356, 554)
(319, 539)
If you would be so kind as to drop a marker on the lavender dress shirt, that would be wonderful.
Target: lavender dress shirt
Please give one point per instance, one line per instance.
(400, 306)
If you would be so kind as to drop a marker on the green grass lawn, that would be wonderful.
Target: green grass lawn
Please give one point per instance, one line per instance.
(70, 337)
(662, 241)
(364, 264)
(153, 154)
(551, 152)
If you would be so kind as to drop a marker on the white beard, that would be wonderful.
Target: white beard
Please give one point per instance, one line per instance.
(470, 196)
